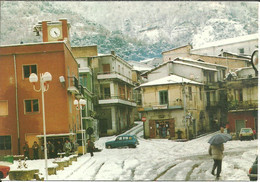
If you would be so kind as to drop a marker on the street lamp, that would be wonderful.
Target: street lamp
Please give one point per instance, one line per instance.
(44, 86)
(79, 106)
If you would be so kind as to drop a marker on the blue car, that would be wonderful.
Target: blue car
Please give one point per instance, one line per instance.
(123, 141)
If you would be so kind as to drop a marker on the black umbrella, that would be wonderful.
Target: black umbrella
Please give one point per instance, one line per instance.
(219, 139)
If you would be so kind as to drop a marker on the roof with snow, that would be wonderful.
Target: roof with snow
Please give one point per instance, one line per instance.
(137, 66)
(237, 55)
(229, 41)
(169, 80)
(200, 62)
(180, 62)
(177, 48)
(196, 66)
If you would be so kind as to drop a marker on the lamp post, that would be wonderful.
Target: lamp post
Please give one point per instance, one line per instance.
(44, 86)
(79, 106)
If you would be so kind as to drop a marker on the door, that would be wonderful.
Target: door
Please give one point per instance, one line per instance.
(118, 142)
(172, 128)
(103, 126)
(152, 129)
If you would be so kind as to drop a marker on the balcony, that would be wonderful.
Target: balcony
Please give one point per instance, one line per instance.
(156, 106)
(114, 75)
(81, 93)
(107, 99)
(243, 105)
(73, 85)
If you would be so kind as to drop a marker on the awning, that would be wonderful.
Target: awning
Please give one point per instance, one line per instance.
(57, 135)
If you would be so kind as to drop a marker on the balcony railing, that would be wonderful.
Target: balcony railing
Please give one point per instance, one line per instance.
(158, 106)
(113, 99)
(114, 75)
(245, 105)
(103, 97)
(73, 86)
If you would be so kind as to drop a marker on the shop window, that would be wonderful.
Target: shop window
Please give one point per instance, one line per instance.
(163, 97)
(28, 70)
(3, 108)
(31, 106)
(5, 142)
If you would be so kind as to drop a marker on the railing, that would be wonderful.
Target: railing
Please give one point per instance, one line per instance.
(114, 74)
(73, 81)
(73, 85)
(169, 105)
(104, 97)
(249, 104)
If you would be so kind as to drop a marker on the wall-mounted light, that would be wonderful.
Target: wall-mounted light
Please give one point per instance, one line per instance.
(62, 80)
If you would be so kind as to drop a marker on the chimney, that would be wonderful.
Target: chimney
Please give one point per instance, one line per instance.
(113, 52)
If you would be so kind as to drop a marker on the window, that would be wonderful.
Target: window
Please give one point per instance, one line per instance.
(106, 68)
(28, 70)
(83, 80)
(5, 142)
(31, 106)
(163, 97)
(240, 96)
(211, 77)
(200, 94)
(107, 93)
(241, 51)
(190, 93)
(3, 108)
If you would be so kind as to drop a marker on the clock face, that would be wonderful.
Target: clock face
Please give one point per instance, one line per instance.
(55, 32)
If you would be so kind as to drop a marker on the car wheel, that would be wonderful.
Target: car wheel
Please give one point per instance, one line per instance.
(131, 146)
(1, 175)
(109, 147)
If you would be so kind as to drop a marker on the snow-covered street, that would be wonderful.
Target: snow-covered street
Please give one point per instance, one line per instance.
(157, 159)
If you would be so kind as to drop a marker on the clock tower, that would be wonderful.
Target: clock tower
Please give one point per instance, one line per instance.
(53, 30)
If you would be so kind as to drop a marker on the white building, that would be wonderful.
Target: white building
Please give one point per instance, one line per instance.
(243, 45)
(114, 91)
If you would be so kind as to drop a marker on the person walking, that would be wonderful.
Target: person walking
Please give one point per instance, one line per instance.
(58, 148)
(67, 147)
(91, 147)
(35, 148)
(216, 152)
(50, 150)
(26, 150)
(254, 132)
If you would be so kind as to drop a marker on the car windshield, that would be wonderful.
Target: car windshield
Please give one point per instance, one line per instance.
(246, 130)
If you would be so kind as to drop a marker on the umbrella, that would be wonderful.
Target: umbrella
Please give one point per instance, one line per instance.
(219, 139)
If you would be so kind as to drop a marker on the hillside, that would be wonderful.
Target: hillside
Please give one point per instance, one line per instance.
(134, 30)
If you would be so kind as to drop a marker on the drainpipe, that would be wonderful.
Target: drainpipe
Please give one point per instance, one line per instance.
(16, 104)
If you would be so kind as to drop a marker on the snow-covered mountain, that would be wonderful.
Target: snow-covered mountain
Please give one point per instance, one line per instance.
(135, 30)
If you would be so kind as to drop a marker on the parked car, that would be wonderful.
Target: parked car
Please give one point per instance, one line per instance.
(253, 170)
(4, 170)
(123, 141)
(246, 133)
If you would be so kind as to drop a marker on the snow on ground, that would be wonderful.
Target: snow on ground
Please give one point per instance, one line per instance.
(157, 159)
